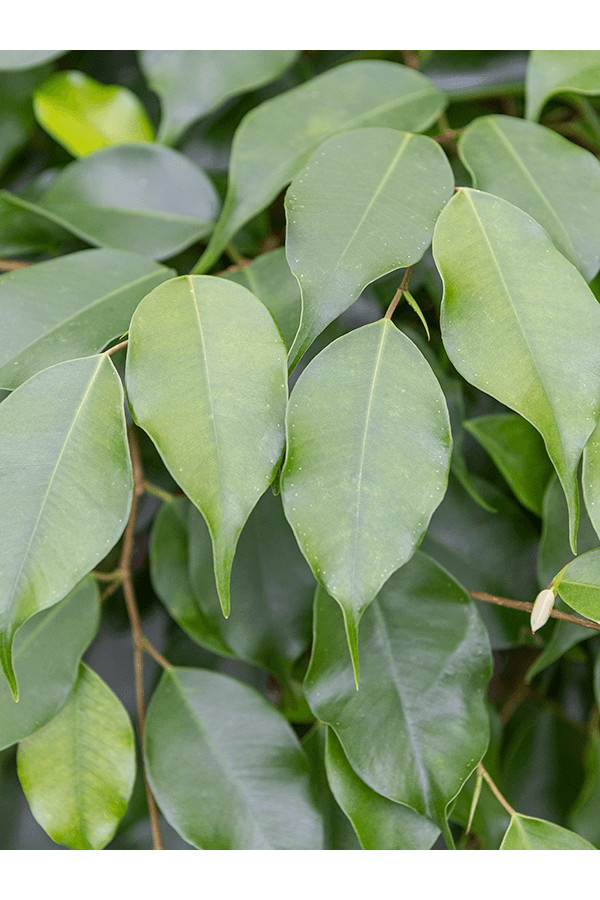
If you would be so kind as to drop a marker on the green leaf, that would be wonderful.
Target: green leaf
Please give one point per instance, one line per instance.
(379, 823)
(364, 205)
(580, 585)
(590, 478)
(520, 323)
(425, 663)
(46, 653)
(270, 279)
(527, 833)
(272, 587)
(83, 115)
(192, 83)
(16, 116)
(583, 818)
(78, 771)
(275, 140)
(226, 768)
(26, 59)
(69, 307)
(139, 197)
(551, 72)
(518, 160)
(367, 462)
(518, 451)
(65, 487)
(206, 377)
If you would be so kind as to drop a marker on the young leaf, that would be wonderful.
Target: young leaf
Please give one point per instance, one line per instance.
(527, 833)
(206, 378)
(192, 83)
(580, 585)
(66, 497)
(520, 323)
(367, 462)
(364, 205)
(69, 307)
(275, 140)
(425, 663)
(379, 823)
(551, 72)
(46, 653)
(83, 115)
(226, 768)
(78, 771)
(139, 197)
(518, 160)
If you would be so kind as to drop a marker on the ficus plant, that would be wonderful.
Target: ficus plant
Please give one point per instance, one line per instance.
(300, 371)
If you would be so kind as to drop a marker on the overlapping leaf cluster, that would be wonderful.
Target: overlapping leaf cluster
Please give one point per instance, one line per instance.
(332, 485)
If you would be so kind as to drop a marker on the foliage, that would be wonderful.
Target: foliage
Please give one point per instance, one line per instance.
(321, 514)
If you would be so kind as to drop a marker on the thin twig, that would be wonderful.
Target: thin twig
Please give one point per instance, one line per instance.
(134, 619)
(114, 349)
(10, 265)
(499, 797)
(527, 607)
(398, 295)
(151, 649)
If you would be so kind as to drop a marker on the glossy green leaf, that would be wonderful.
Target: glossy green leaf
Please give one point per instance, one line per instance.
(367, 462)
(380, 823)
(580, 585)
(192, 83)
(518, 451)
(275, 140)
(590, 478)
(69, 307)
(518, 160)
(47, 651)
(139, 197)
(270, 279)
(272, 587)
(339, 833)
(65, 486)
(584, 818)
(78, 771)
(520, 323)
(527, 833)
(26, 59)
(83, 115)
(226, 768)
(551, 72)
(364, 205)
(206, 377)
(425, 663)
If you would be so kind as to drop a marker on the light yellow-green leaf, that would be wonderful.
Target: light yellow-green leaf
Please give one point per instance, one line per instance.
(78, 771)
(84, 115)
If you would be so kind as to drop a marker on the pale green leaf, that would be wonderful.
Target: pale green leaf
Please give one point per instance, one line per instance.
(551, 72)
(379, 823)
(580, 585)
(140, 197)
(192, 83)
(364, 205)
(367, 462)
(527, 833)
(275, 140)
(518, 451)
(27, 59)
(518, 160)
(47, 651)
(78, 771)
(83, 115)
(65, 486)
(69, 307)
(270, 279)
(520, 323)
(590, 478)
(425, 663)
(206, 378)
(226, 768)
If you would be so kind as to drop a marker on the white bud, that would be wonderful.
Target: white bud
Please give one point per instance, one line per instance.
(542, 608)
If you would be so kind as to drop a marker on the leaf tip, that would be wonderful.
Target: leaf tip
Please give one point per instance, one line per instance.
(9, 672)
(351, 623)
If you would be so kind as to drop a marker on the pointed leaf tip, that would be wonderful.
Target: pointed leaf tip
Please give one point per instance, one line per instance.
(351, 622)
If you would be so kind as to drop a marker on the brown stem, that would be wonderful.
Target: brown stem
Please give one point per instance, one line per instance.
(499, 797)
(527, 607)
(10, 265)
(139, 640)
(398, 295)
(410, 58)
(114, 349)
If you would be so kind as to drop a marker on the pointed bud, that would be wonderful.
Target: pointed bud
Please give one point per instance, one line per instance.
(542, 608)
